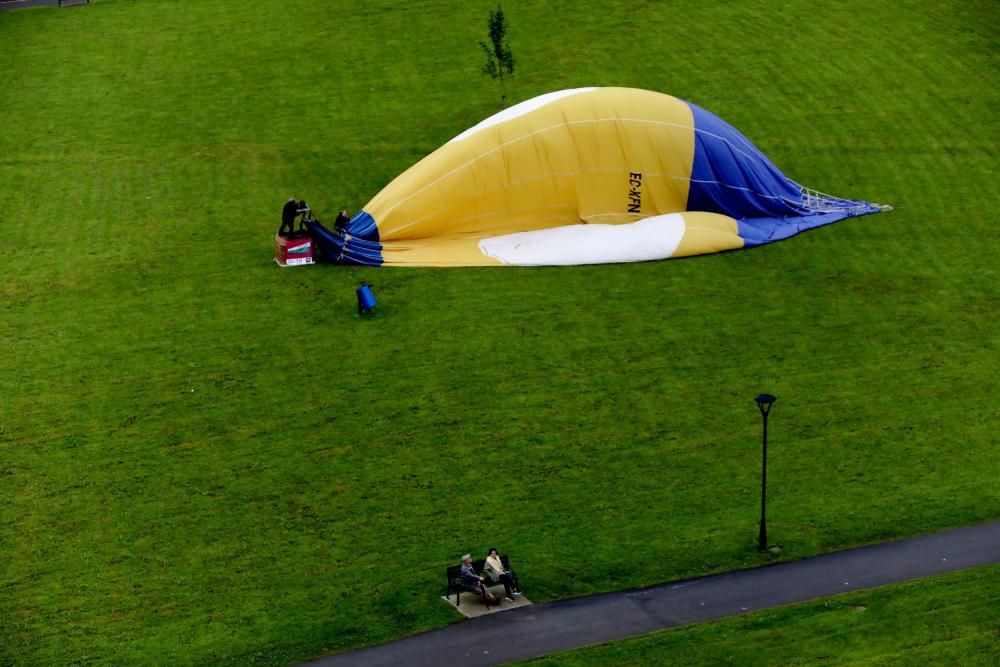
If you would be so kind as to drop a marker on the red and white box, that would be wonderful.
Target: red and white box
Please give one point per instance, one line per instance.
(293, 252)
(299, 251)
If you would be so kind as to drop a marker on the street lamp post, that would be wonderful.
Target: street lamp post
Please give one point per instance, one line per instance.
(764, 403)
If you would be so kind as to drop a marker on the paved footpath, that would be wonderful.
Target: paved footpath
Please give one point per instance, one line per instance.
(24, 4)
(536, 630)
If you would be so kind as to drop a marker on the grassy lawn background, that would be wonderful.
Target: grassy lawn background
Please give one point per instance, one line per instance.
(945, 620)
(207, 459)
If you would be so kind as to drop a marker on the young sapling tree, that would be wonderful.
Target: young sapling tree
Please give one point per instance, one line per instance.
(499, 59)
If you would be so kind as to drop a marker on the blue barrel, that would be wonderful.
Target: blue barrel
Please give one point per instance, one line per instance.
(366, 298)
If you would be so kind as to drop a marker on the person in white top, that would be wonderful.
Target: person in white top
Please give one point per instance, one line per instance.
(495, 570)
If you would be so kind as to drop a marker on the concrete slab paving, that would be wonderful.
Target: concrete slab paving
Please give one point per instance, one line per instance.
(473, 607)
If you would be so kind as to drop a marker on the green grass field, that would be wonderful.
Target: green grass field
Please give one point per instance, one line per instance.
(205, 459)
(944, 620)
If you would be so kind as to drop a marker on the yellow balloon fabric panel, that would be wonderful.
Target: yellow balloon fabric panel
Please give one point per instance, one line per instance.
(707, 233)
(606, 155)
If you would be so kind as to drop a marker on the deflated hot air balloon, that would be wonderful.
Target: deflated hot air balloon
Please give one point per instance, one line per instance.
(583, 176)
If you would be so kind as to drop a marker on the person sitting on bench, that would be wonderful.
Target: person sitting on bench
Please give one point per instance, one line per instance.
(473, 583)
(494, 569)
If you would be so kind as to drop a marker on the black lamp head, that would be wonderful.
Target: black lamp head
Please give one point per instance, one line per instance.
(764, 402)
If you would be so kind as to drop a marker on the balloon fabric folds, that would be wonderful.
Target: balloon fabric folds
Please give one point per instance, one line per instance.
(584, 176)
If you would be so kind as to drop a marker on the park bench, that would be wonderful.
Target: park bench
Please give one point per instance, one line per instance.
(455, 579)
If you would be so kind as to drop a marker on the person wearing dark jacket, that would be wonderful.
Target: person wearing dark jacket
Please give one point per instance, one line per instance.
(473, 583)
(340, 224)
(288, 213)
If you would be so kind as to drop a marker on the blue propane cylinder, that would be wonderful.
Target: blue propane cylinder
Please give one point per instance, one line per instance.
(366, 299)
